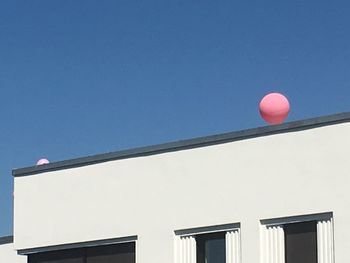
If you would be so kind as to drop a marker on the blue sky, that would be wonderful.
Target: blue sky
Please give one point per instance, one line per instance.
(84, 77)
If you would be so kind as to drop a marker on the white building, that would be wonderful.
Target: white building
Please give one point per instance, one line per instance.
(275, 194)
(8, 253)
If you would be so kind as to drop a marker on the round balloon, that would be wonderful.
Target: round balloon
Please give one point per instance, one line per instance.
(42, 161)
(274, 108)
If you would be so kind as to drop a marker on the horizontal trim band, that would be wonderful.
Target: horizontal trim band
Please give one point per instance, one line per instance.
(207, 229)
(78, 245)
(296, 219)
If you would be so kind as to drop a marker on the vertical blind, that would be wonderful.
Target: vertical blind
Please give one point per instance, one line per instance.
(233, 246)
(273, 243)
(325, 245)
(186, 248)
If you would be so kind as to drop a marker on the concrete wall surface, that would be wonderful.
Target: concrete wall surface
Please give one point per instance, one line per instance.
(288, 174)
(9, 255)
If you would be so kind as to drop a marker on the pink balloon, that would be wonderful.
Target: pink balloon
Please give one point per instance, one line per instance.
(274, 108)
(42, 161)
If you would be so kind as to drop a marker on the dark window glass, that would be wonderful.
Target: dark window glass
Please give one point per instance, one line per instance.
(120, 253)
(62, 256)
(211, 248)
(301, 242)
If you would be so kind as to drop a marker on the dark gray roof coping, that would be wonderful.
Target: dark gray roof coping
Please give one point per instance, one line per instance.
(6, 240)
(187, 144)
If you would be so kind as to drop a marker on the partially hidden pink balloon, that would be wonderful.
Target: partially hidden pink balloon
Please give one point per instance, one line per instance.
(42, 161)
(274, 108)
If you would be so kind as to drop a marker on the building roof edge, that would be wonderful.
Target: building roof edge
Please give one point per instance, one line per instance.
(187, 144)
(6, 240)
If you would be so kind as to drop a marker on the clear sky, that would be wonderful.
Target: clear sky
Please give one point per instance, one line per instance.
(84, 77)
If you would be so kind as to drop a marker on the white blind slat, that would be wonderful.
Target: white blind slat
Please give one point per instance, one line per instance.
(273, 247)
(325, 245)
(185, 249)
(233, 246)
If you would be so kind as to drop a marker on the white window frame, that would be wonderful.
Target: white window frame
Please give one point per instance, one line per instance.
(272, 237)
(186, 248)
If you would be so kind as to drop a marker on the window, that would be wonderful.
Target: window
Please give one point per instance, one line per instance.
(208, 245)
(64, 256)
(300, 241)
(211, 248)
(304, 239)
(122, 253)
(116, 253)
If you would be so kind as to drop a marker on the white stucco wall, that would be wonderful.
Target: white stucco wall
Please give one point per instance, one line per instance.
(281, 175)
(9, 255)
